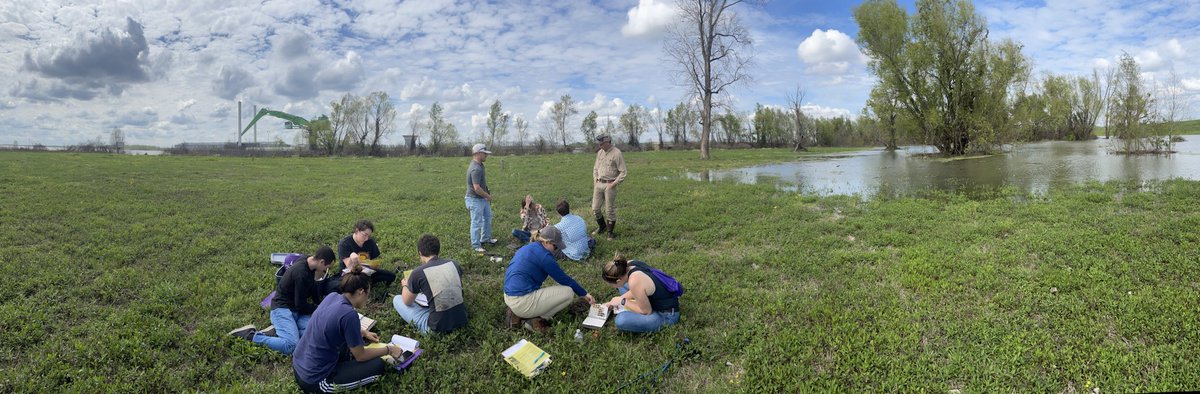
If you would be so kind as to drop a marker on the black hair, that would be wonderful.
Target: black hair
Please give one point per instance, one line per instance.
(616, 268)
(363, 225)
(429, 245)
(325, 253)
(354, 280)
(563, 207)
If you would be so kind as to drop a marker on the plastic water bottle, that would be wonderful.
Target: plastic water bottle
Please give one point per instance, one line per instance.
(578, 336)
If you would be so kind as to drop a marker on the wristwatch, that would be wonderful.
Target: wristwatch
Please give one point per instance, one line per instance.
(623, 301)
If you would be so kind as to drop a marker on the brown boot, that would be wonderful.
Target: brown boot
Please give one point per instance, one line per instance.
(537, 325)
(612, 226)
(511, 320)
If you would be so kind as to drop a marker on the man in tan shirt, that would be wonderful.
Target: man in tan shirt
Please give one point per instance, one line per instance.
(608, 172)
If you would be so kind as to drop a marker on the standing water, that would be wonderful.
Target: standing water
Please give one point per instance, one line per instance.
(1033, 167)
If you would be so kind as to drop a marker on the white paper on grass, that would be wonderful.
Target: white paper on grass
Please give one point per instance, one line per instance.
(405, 343)
(513, 349)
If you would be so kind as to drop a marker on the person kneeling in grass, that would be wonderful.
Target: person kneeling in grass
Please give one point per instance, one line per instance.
(439, 281)
(332, 356)
(523, 291)
(649, 306)
(574, 233)
(295, 300)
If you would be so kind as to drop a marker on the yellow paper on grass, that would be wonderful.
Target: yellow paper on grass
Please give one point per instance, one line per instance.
(527, 358)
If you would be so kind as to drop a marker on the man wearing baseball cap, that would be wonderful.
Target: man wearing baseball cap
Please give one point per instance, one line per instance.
(479, 200)
(523, 291)
(608, 172)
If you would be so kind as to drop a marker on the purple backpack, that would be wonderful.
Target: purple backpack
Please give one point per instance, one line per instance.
(673, 286)
(287, 262)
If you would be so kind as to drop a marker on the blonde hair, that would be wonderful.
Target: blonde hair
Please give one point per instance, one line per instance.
(616, 268)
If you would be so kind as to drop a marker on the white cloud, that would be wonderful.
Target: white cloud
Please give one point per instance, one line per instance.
(829, 52)
(1191, 84)
(818, 111)
(648, 18)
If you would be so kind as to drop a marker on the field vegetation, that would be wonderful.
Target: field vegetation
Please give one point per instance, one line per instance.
(125, 272)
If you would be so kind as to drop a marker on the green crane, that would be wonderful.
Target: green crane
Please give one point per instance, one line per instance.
(292, 121)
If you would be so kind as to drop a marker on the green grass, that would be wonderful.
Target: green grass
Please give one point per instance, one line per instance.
(125, 272)
(1182, 127)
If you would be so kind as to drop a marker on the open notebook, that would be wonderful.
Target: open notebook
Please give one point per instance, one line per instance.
(599, 314)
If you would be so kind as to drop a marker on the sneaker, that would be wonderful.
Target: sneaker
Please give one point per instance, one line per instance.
(269, 331)
(492, 241)
(245, 332)
(537, 325)
(480, 250)
(511, 320)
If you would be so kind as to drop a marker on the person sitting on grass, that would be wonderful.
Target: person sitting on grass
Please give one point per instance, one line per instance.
(333, 356)
(359, 243)
(533, 218)
(295, 300)
(523, 291)
(440, 281)
(648, 305)
(574, 233)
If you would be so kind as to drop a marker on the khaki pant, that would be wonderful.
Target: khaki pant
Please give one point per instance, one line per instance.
(603, 196)
(543, 303)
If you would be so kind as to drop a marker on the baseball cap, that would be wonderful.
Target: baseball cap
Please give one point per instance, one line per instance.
(552, 235)
(602, 137)
(480, 148)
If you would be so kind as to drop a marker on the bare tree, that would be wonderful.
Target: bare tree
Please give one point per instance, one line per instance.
(1174, 104)
(441, 132)
(522, 129)
(116, 138)
(795, 103)
(713, 51)
(343, 119)
(656, 121)
(383, 118)
(561, 113)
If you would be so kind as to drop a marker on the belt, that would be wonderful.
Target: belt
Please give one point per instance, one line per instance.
(607, 180)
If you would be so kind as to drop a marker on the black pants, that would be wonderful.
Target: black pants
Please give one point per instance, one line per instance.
(348, 375)
(380, 276)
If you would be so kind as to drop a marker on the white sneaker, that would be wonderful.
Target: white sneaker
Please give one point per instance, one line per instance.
(269, 331)
(480, 250)
(492, 241)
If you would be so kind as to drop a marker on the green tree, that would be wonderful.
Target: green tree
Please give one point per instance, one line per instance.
(952, 82)
(441, 133)
(497, 124)
(679, 121)
(588, 128)
(1129, 108)
(633, 123)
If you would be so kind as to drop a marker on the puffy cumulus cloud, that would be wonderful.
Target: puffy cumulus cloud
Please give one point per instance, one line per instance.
(106, 63)
(829, 52)
(231, 81)
(419, 90)
(345, 74)
(603, 106)
(648, 18)
(1191, 84)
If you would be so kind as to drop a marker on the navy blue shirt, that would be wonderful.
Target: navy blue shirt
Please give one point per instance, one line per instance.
(347, 246)
(529, 268)
(334, 327)
(476, 176)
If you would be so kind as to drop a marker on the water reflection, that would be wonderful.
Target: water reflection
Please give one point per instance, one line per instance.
(1035, 167)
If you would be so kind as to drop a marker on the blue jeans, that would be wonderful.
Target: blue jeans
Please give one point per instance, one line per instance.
(416, 315)
(522, 235)
(481, 220)
(289, 327)
(631, 321)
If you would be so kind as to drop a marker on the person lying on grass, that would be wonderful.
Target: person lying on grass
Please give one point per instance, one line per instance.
(359, 243)
(649, 306)
(333, 356)
(523, 291)
(533, 218)
(296, 297)
(440, 281)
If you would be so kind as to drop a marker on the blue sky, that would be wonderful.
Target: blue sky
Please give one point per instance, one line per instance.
(169, 71)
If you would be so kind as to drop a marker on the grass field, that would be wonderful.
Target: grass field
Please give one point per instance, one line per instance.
(125, 272)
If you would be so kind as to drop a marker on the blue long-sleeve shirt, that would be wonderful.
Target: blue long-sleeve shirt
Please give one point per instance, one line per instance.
(529, 268)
